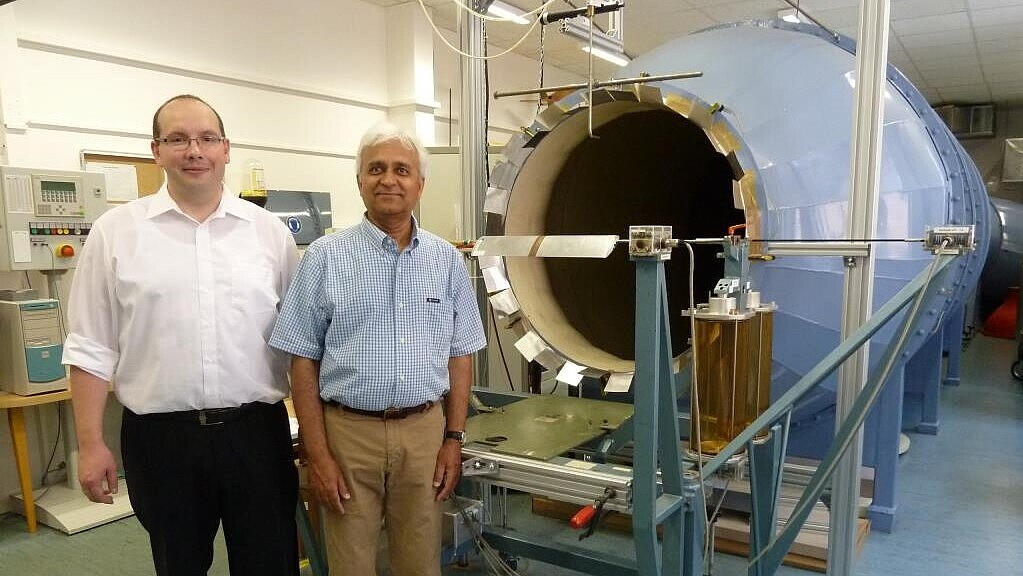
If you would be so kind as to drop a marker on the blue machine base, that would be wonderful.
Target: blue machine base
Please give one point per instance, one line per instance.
(882, 518)
(928, 428)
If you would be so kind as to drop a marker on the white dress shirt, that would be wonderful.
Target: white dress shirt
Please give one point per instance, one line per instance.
(177, 313)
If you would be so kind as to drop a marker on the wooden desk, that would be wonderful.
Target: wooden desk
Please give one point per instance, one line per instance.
(15, 406)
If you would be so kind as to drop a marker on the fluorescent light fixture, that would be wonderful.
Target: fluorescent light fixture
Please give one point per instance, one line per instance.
(605, 46)
(612, 57)
(507, 11)
(789, 15)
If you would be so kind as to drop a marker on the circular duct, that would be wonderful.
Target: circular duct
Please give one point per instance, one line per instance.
(762, 138)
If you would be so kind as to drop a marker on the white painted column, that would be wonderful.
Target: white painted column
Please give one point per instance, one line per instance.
(411, 103)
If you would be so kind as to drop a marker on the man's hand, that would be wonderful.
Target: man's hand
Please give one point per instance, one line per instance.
(97, 473)
(328, 483)
(448, 469)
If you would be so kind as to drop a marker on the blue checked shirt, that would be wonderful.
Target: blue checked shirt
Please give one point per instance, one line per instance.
(383, 324)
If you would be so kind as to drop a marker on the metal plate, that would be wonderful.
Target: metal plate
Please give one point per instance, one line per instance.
(543, 427)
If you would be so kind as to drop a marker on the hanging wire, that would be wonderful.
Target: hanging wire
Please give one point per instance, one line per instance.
(466, 55)
(694, 398)
(500, 348)
(539, 97)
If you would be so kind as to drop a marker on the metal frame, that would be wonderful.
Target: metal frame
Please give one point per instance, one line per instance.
(665, 491)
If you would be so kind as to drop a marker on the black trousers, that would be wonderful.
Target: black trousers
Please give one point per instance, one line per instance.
(186, 478)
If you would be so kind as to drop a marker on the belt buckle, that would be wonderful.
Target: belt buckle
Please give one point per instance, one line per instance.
(392, 412)
(203, 421)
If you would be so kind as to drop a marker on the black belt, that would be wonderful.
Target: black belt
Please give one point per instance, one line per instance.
(388, 414)
(208, 416)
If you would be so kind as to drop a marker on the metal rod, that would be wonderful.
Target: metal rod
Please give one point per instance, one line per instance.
(550, 17)
(811, 18)
(589, 71)
(612, 82)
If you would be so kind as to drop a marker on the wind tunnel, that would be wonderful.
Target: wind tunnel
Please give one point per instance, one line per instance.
(1005, 255)
(762, 138)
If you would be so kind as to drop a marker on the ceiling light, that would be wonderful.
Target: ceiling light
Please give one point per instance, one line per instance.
(605, 46)
(508, 12)
(613, 57)
(790, 15)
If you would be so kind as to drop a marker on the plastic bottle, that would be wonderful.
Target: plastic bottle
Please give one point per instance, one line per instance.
(255, 187)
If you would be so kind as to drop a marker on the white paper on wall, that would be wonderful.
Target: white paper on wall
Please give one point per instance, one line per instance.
(122, 181)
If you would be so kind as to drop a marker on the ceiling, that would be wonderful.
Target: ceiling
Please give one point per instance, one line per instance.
(955, 51)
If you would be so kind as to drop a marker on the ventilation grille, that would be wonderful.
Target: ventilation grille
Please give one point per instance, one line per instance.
(976, 121)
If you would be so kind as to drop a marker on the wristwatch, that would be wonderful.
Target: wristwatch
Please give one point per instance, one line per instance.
(456, 435)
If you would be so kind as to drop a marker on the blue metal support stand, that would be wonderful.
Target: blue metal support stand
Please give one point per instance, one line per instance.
(317, 564)
(679, 507)
(923, 372)
(887, 425)
(953, 344)
(765, 465)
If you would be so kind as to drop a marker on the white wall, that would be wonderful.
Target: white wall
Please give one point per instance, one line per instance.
(296, 84)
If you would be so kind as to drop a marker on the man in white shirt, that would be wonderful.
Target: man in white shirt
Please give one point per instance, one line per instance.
(173, 300)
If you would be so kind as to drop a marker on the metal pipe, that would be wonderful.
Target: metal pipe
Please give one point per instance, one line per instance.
(604, 84)
(811, 18)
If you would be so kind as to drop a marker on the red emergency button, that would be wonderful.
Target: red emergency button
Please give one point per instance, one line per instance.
(65, 251)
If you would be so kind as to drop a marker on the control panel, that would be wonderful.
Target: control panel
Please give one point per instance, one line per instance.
(46, 215)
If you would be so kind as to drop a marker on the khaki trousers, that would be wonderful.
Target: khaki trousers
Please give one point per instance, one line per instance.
(388, 466)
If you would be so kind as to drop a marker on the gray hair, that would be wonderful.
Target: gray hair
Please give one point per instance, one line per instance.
(385, 132)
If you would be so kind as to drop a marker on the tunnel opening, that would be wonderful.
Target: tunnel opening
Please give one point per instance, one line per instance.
(647, 165)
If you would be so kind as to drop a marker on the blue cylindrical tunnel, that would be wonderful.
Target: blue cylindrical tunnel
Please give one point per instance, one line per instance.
(763, 137)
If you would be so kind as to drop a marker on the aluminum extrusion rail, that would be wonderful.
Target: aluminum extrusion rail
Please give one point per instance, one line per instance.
(560, 478)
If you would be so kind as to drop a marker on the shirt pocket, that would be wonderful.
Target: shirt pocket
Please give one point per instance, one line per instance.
(253, 289)
(441, 318)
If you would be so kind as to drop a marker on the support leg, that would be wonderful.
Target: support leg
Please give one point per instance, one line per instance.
(923, 372)
(953, 344)
(888, 424)
(16, 421)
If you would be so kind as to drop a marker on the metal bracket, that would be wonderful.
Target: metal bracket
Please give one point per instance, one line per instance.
(479, 467)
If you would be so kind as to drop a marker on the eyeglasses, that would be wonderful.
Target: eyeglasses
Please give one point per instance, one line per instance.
(182, 142)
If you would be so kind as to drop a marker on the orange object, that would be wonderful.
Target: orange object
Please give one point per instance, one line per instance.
(582, 517)
(65, 251)
(733, 229)
(1002, 322)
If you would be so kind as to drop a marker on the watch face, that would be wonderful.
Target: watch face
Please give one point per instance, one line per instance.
(455, 435)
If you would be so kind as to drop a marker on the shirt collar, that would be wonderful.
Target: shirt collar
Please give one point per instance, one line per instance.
(229, 204)
(381, 238)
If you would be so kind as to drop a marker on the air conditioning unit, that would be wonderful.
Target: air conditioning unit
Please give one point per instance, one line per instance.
(975, 121)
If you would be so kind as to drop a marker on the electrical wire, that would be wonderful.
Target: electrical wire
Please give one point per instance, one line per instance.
(28, 279)
(471, 56)
(724, 492)
(694, 398)
(504, 361)
(491, 557)
(47, 469)
(539, 97)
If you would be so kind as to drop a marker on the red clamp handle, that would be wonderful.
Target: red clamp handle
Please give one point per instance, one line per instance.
(583, 517)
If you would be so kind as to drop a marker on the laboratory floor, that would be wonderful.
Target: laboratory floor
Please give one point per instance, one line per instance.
(960, 497)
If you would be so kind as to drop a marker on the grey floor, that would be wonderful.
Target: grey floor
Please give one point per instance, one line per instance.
(960, 499)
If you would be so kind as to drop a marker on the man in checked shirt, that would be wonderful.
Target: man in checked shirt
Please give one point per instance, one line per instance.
(381, 322)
